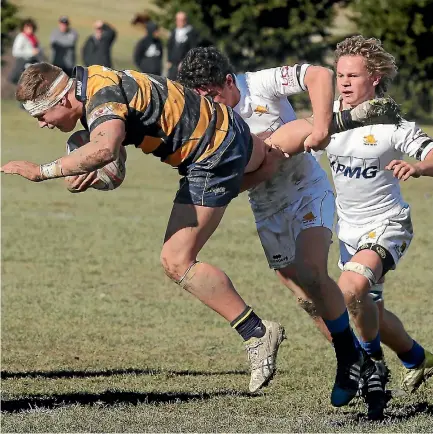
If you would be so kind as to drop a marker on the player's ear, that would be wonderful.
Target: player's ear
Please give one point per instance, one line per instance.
(376, 80)
(65, 101)
(229, 80)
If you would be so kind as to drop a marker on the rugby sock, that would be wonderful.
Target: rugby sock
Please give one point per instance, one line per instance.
(249, 325)
(338, 325)
(342, 121)
(414, 357)
(356, 341)
(373, 348)
(342, 336)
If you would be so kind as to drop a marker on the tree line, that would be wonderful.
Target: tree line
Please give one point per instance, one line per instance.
(262, 33)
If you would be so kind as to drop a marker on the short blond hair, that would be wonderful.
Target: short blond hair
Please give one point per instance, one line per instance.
(377, 59)
(36, 80)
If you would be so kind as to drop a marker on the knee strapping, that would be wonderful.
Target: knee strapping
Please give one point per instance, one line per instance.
(361, 269)
(182, 282)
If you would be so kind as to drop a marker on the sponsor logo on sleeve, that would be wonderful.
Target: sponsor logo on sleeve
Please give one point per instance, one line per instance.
(106, 110)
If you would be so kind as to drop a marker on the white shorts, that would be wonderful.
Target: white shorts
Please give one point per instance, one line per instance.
(393, 234)
(278, 233)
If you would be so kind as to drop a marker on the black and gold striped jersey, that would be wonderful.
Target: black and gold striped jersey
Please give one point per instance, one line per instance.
(161, 116)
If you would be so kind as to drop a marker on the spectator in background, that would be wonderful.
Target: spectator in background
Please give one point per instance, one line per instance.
(63, 42)
(182, 39)
(148, 51)
(97, 48)
(26, 49)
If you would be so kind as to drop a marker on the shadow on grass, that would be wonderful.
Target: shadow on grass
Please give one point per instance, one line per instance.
(394, 413)
(110, 397)
(112, 372)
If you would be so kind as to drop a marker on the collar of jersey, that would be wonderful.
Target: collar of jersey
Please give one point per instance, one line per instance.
(81, 75)
(243, 107)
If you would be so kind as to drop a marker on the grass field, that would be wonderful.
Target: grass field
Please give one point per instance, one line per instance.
(96, 339)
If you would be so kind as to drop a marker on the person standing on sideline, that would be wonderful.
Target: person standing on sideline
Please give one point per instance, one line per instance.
(26, 49)
(63, 43)
(182, 39)
(97, 49)
(148, 51)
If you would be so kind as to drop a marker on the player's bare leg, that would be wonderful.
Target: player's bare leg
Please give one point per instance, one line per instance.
(356, 288)
(290, 137)
(189, 228)
(365, 314)
(311, 263)
(288, 276)
(392, 331)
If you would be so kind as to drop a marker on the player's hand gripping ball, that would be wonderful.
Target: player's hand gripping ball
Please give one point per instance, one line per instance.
(108, 177)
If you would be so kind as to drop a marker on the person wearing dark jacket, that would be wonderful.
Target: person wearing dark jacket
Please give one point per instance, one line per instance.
(63, 42)
(97, 49)
(182, 39)
(148, 51)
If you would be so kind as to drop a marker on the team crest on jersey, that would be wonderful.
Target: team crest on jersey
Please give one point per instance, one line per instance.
(308, 218)
(261, 110)
(372, 234)
(370, 140)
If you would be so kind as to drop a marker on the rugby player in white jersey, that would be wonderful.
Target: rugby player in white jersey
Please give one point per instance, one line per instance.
(374, 224)
(294, 210)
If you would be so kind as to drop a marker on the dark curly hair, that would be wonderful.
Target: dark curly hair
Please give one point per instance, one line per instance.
(29, 22)
(203, 66)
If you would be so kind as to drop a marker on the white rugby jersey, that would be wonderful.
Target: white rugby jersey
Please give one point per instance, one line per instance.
(264, 107)
(366, 192)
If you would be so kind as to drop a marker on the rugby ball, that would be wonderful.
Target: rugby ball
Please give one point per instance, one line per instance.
(109, 176)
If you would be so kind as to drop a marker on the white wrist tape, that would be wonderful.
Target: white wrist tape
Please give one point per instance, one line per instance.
(51, 170)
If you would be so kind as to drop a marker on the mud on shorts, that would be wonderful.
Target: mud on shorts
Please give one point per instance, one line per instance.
(278, 233)
(216, 180)
(389, 238)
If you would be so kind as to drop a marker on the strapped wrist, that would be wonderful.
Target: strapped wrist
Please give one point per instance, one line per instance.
(51, 170)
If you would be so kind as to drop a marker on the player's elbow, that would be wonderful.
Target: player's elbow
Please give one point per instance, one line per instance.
(103, 156)
(318, 74)
(111, 151)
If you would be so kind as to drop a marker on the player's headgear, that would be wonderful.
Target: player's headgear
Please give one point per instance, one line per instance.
(51, 97)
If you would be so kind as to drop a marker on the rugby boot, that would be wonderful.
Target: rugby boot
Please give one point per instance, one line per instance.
(346, 381)
(416, 376)
(375, 377)
(262, 355)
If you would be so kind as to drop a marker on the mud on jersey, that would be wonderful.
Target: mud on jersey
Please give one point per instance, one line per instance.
(161, 116)
(264, 107)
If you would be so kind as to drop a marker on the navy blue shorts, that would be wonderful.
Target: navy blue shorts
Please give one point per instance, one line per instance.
(216, 180)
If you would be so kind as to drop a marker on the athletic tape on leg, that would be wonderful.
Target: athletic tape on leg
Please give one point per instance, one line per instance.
(361, 269)
(184, 276)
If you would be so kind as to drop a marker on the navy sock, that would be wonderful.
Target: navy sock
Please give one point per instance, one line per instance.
(373, 348)
(249, 325)
(343, 338)
(414, 357)
(356, 341)
(338, 325)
